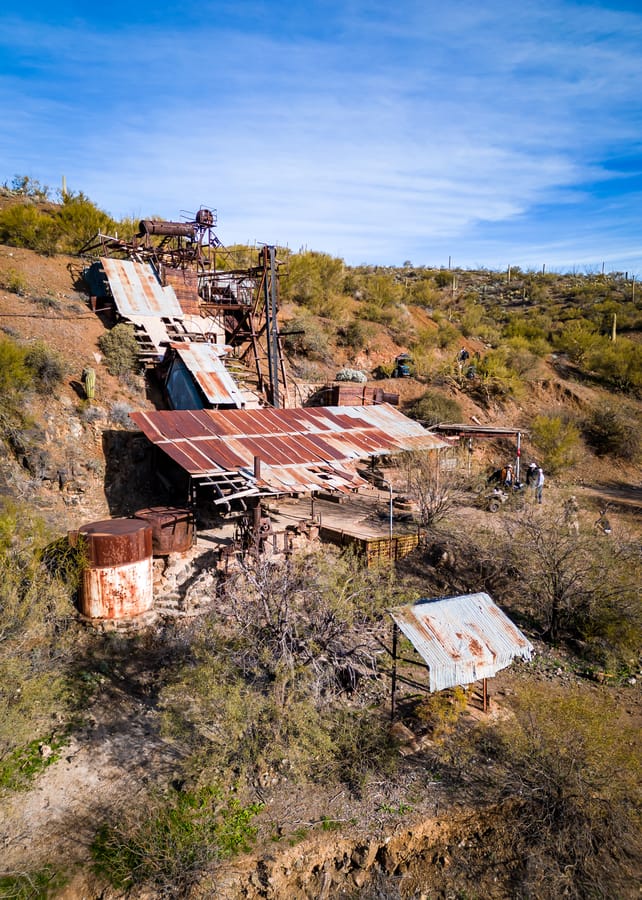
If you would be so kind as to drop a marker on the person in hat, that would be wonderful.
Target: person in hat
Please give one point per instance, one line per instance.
(539, 486)
(508, 476)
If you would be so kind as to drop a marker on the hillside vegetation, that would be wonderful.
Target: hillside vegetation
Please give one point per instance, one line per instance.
(247, 751)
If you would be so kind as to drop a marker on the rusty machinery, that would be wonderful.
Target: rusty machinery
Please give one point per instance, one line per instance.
(245, 298)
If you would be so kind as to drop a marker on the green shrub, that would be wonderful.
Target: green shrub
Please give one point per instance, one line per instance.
(64, 228)
(29, 187)
(169, 842)
(618, 364)
(14, 374)
(19, 768)
(78, 220)
(120, 348)
(610, 432)
(434, 408)
(355, 335)
(310, 338)
(32, 885)
(15, 282)
(22, 225)
(557, 441)
(48, 367)
(311, 280)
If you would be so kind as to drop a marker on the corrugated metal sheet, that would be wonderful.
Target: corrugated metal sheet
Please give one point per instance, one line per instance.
(137, 291)
(462, 639)
(301, 450)
(208, 370)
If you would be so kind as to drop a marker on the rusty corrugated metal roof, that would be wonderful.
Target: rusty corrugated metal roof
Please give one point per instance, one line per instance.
(462, 639)
(206, 365)
(137, 291)
(301, 450)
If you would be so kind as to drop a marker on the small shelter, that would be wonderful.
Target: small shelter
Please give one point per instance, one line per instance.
(461, 639)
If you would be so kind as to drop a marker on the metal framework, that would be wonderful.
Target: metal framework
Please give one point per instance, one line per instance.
(245, 299)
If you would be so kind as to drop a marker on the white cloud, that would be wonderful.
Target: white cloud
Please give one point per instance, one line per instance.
(412, 128)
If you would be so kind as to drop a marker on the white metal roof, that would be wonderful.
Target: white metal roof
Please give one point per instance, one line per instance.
(462, 639)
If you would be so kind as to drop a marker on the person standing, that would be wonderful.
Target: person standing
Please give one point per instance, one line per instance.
(539, 487)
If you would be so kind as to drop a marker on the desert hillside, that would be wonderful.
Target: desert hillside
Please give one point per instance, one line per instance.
(239, 743)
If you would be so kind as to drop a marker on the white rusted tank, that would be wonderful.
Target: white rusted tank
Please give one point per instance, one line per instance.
(118, 580)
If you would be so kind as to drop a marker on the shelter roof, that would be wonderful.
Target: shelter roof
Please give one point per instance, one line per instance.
(204, 362)
(137, 290)
(300, 450)
(462, 639)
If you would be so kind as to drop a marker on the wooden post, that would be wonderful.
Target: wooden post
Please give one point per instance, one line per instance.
(394, 671)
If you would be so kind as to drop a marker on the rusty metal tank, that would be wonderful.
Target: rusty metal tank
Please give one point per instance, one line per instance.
(172, 528)
(117, 583)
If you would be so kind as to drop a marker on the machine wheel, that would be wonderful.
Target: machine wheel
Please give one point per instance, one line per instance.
(494, 505)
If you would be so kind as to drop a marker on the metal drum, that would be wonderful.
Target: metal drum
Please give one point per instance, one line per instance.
(117, 583)
(172, 528)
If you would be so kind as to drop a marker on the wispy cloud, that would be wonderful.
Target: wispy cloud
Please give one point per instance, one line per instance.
(373, 131)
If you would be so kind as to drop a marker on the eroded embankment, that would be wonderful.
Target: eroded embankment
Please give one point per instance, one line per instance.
(423, 858)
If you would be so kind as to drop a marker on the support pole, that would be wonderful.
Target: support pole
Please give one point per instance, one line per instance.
(395, 632)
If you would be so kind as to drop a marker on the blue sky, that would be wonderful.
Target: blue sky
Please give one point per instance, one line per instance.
(489, 133)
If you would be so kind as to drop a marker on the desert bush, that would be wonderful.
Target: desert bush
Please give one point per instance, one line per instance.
(564, 774)
(610, 432)
(15, 282)
(35, 609)
(63, 228)
(120, 348)
(557, 440)
(576, 588)
(27, 885)
(447, 335)
(382, 290)
(443, 278)
(312, 279)
(168, 842)
(48, 368)
(578, 339)
(434, 407)
(618, 364)
(119, 414)
(311, 339)
(385, 370)
(363, 746)
(29, 187)
(351, 375)
(78, 219)
(23, 225)
(14, 374)
(495, 378)
(432, 489)
(356, 335)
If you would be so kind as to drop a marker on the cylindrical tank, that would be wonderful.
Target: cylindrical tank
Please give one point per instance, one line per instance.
(117, 583)
(172, 229)
(172, 528)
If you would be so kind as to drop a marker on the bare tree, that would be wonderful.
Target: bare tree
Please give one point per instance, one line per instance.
(432, 488)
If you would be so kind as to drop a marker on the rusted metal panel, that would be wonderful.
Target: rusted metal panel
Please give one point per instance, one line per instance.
(185, 284)
(172, 528)
(137, 291)
(117, 592)
(114, 542)
(206, 366)
(210, 441)
(462, 639)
